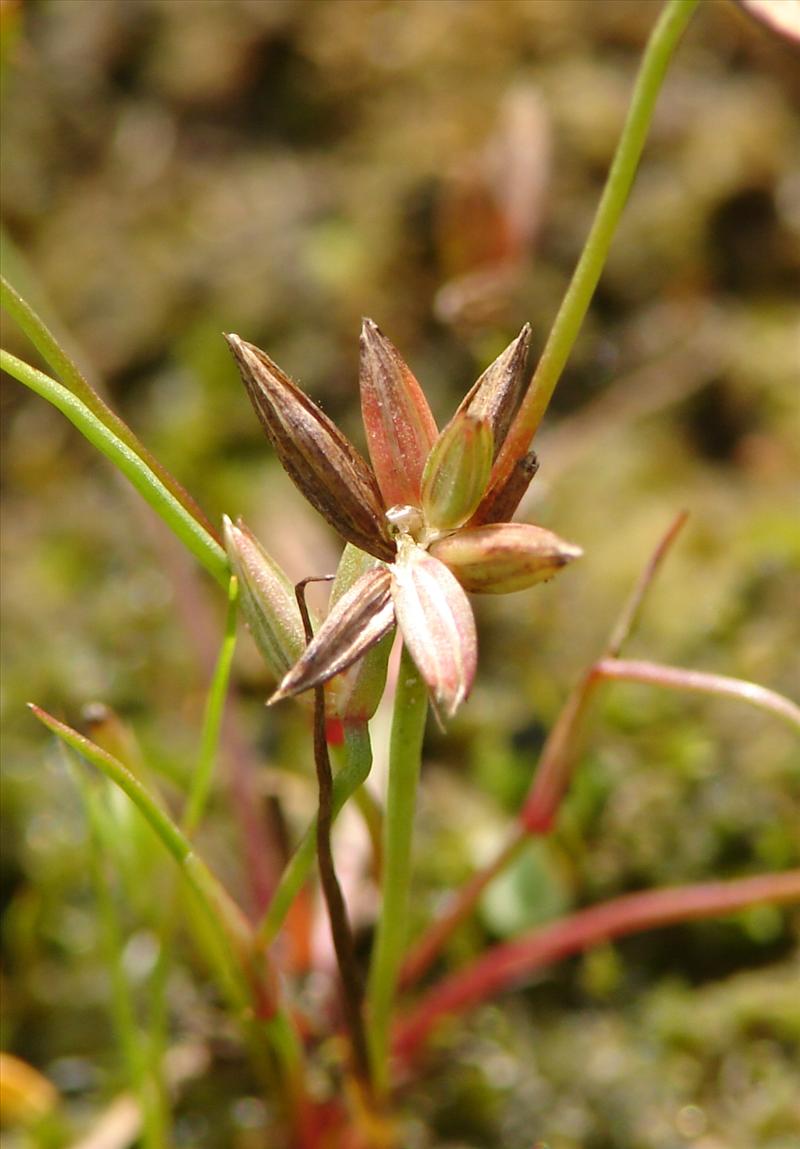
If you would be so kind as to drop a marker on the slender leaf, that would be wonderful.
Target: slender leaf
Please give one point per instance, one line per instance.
(75, 381)
(186, 526)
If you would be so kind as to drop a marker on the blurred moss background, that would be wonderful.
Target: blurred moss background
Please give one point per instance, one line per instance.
(175, 168)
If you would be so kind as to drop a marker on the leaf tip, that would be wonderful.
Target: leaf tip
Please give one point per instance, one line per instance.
(42, 716)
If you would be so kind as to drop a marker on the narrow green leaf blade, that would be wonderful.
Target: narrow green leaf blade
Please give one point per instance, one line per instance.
(186, 526)
(75, 381)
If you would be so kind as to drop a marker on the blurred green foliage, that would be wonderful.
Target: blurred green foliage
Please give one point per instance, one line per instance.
(176, 168)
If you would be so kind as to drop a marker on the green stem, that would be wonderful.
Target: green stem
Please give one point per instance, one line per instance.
(660, 47)
(186, 526)
(408, 728)
(358, 762)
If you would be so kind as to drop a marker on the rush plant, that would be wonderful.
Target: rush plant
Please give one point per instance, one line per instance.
(426, 522)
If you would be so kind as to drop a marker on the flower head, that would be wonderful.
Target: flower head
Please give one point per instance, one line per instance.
(429, 509)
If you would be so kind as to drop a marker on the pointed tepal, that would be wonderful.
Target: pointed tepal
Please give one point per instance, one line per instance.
(267, 599)
(496, 395)
(504, 496)
(504, 557)
(397, 419)
(437, 624)
(321, 461)
(457, 473)
(357, 621)
(353, 694)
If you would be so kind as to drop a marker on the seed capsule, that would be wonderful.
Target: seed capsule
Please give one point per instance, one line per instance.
(457, 471)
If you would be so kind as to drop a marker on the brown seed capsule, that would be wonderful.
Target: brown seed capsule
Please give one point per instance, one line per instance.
(398, 422)
(320, 460)
(503, 557)
(355, 623)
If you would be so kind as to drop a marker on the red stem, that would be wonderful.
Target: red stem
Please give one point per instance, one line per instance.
(507, 964)
(557, 760)
(629, 615)
(560, 750)
(677, 678)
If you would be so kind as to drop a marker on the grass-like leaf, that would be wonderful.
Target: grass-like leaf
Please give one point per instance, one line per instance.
(184, 522)
(220, 909)
(145, 1074)
(68, 372)
(212, 719)
(244, 968)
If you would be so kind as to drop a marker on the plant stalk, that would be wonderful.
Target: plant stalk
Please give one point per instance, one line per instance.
(357, 766)
(202, 776)
(662, 43)
(408, 728)
(343, 944)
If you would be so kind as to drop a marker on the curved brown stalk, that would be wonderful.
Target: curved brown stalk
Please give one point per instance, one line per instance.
(337, 911)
